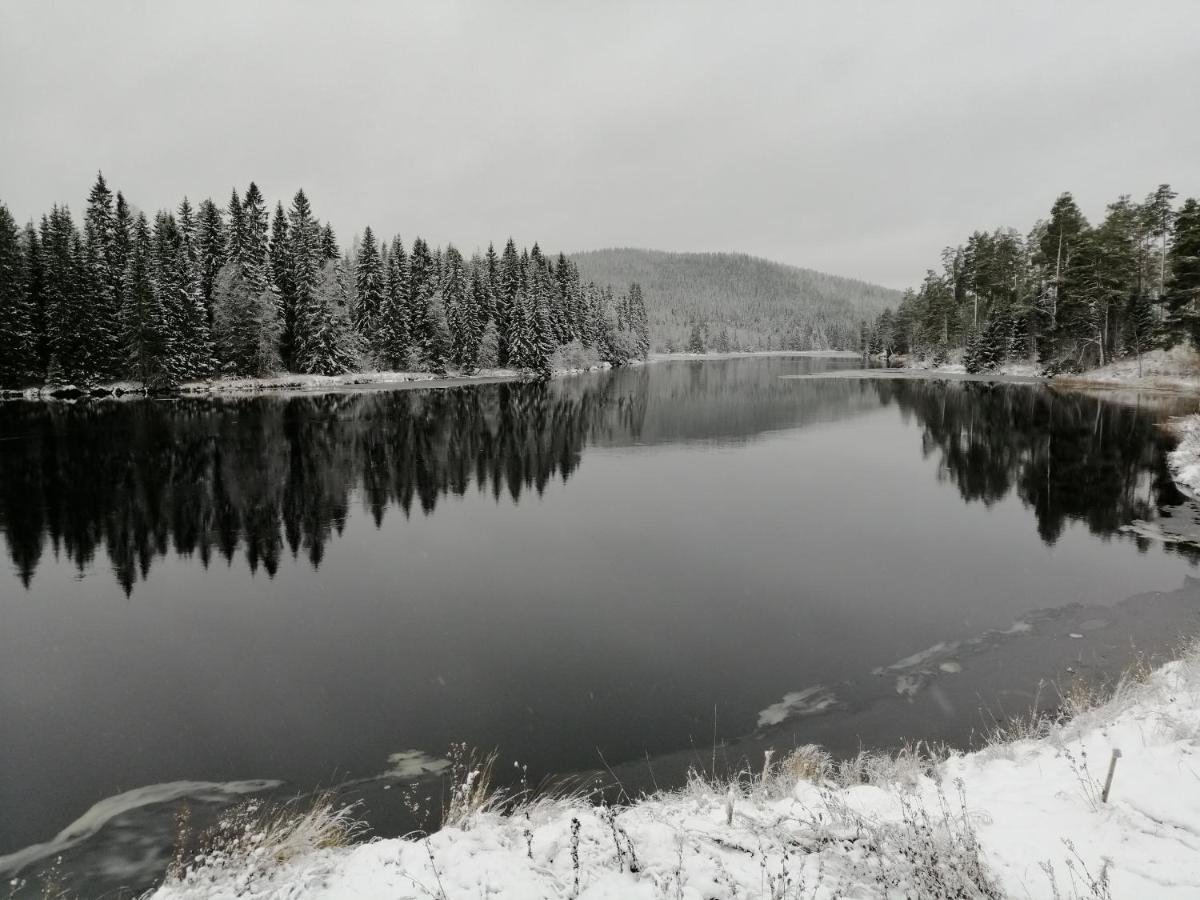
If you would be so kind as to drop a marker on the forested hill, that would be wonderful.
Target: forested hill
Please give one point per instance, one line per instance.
(753, 303)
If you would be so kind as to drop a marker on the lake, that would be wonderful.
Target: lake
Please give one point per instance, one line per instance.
(610, 571)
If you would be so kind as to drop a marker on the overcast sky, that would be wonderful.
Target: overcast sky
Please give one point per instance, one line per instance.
(854, 139)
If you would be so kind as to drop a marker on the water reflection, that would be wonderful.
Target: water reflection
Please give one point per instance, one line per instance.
(206, 477)
(1067, 456)
(268, 475)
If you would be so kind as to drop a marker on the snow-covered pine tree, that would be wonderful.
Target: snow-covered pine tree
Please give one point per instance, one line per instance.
(304, 259)
(235, 238)
(425, 323)
(507, 286)
(368, 283)
(329, 245)
(194, 341)
(393, 338)
(245, 325)
(282, 277)
(122, 243)
(18, 350)
(639, 322)
(102, 277)
(210, 252)
(255, 258)
(33, 283)
(491, 265)
(1183, 268)
(65, 283)
(143, 321)
(170, 289)
(459, 316)
(330, 344)
(477, 304)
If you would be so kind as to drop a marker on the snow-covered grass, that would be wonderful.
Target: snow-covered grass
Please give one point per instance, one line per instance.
(1024, 817)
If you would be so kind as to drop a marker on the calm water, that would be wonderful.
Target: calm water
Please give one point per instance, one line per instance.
(297, 588)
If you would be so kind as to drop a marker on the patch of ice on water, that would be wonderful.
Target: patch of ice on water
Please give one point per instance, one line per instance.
(108, 809)
(811, 701)
(414, 764)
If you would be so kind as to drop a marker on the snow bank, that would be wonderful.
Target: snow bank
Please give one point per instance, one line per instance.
(1022, 819)
(1184, 460)
(1177, 369)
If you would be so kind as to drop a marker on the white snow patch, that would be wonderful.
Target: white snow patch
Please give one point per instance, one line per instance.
(767, 837)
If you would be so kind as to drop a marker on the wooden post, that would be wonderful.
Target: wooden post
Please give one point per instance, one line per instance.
(1112, 766)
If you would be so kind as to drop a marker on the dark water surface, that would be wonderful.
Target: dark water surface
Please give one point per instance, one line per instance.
(297, 588)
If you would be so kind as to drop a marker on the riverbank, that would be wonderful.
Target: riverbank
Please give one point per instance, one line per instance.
(1028, 816)
(1184, 461)
(1176, 370)
(301, 383)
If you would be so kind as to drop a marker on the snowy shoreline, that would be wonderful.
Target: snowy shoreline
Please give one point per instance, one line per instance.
(1176, 370)
(1023, 817)
(1184, 461)
(315, 384)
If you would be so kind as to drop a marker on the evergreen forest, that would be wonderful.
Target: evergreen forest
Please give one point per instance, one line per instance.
(207, 291)
(1069, 294)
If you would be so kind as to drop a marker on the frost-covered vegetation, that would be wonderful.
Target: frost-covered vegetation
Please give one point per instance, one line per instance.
(1100, 800)
(1069, 295)
(731, 301)
(203, 292)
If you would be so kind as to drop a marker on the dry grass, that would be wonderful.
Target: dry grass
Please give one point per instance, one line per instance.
(254, 840)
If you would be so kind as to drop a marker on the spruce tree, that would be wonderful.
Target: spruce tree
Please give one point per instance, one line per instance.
(18, 348)
(329, 345)
(639, 322)
(368, 282)
(1183, 262)
(460, 317)
(508, 284)
(66, 281)
(33, 284)
(477, 304)
(329, 245)
(122, 243)
(144, 336)
(210, 252)
(305, 258)
(425, 323)
(193, 341)
(393, 337)
(255, 242)
(103, 293)
(282, 276)
(235, 243)
(245, 325)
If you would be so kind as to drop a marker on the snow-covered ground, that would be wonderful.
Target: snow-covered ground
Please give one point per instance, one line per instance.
(1177, 369)
(1184, 460)
(1025, 818)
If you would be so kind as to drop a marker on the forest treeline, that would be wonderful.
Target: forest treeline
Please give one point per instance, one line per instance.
(731, 301)
(1069, 294)
(206, 291)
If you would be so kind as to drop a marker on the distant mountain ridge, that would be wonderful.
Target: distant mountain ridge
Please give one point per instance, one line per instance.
(755, 303)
